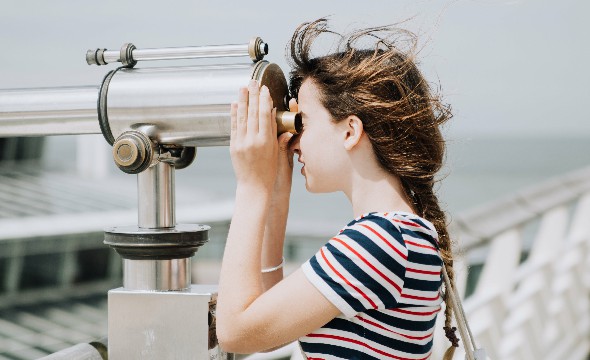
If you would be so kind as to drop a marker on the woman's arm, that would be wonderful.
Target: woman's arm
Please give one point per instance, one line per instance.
(276, 223)
(291, 309)
(273, 242)
(248, 318)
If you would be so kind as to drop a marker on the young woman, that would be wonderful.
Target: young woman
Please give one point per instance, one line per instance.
(370, 130)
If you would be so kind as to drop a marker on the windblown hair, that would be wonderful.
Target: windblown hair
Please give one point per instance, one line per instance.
(400, 115)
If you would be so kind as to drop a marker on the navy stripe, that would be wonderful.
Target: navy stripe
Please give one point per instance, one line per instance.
(402, 323)
(424, 259)
(388, 227)
(377, 252)
(336, 351)
(369, 282)
(405, 346)
(354, 303)
(422, 285)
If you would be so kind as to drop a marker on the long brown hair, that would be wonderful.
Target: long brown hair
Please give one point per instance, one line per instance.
(401, 116)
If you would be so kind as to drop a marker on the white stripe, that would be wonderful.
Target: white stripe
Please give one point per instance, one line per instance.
(373, 261)
(431, 250)
(420, 267)
(421, 293)
(419, 276)
(348, 276)
(327, 291)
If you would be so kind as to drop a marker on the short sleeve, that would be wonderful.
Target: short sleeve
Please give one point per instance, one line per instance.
(361, 268)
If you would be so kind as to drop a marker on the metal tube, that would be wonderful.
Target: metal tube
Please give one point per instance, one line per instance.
(49, 111)
(157, 275)
(156, 197)
(189, 52)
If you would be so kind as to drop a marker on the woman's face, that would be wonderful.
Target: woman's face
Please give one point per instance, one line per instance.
(319, 145)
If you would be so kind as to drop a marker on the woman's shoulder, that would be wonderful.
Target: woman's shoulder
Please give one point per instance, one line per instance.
(394, 223)
(399, 218)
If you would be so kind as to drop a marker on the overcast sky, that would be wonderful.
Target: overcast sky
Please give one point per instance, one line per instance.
(512, 67)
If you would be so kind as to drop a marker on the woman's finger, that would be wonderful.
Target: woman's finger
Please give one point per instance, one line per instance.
(293, 106)
(242, 111)
(284, 142)
(273, 121)
(265, 112)
(234, 120)
(253, 104)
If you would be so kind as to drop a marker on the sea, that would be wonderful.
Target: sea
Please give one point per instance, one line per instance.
(477, 170)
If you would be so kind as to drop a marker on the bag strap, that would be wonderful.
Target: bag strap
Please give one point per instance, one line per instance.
(471, 350)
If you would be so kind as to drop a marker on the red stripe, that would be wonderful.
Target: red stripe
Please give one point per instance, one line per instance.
(335, 337)
(423, 271)
(346, 281)
(420, 297)
(420, 245)
(415, 312)
(395, 332)
(396, 286)
(406, 222)
(405, 257)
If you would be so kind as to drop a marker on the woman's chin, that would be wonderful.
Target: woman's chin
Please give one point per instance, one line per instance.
(309, 186)
(312, 189)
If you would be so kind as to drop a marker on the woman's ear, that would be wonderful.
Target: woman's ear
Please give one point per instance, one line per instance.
(353, 131)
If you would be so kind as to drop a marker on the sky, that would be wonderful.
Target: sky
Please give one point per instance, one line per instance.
(507, 67)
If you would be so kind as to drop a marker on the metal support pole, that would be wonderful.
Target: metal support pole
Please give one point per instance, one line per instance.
(157, 275)
(156, 198)
(156, 210)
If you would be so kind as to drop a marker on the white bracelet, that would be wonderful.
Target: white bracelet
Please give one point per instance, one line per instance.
(275, 268)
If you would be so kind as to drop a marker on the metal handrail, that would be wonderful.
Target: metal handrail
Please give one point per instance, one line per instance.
(475, 227)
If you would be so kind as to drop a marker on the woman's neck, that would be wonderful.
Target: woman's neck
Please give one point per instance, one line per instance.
(376, 191)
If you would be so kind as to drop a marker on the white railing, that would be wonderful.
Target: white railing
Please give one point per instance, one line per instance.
(528, 280)
(531, 299)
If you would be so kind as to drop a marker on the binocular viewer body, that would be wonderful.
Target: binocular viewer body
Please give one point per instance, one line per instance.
(185, 106)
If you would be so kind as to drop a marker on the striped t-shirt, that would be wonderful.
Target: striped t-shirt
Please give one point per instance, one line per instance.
(383, 272)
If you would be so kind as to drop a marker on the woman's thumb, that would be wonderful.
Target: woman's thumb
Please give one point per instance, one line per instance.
(284, 141)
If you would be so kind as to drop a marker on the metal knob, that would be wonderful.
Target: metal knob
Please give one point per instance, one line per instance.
(257, 49)
(288, 121)
(133, 152)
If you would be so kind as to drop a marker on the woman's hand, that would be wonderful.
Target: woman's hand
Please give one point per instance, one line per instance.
(253, 142)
